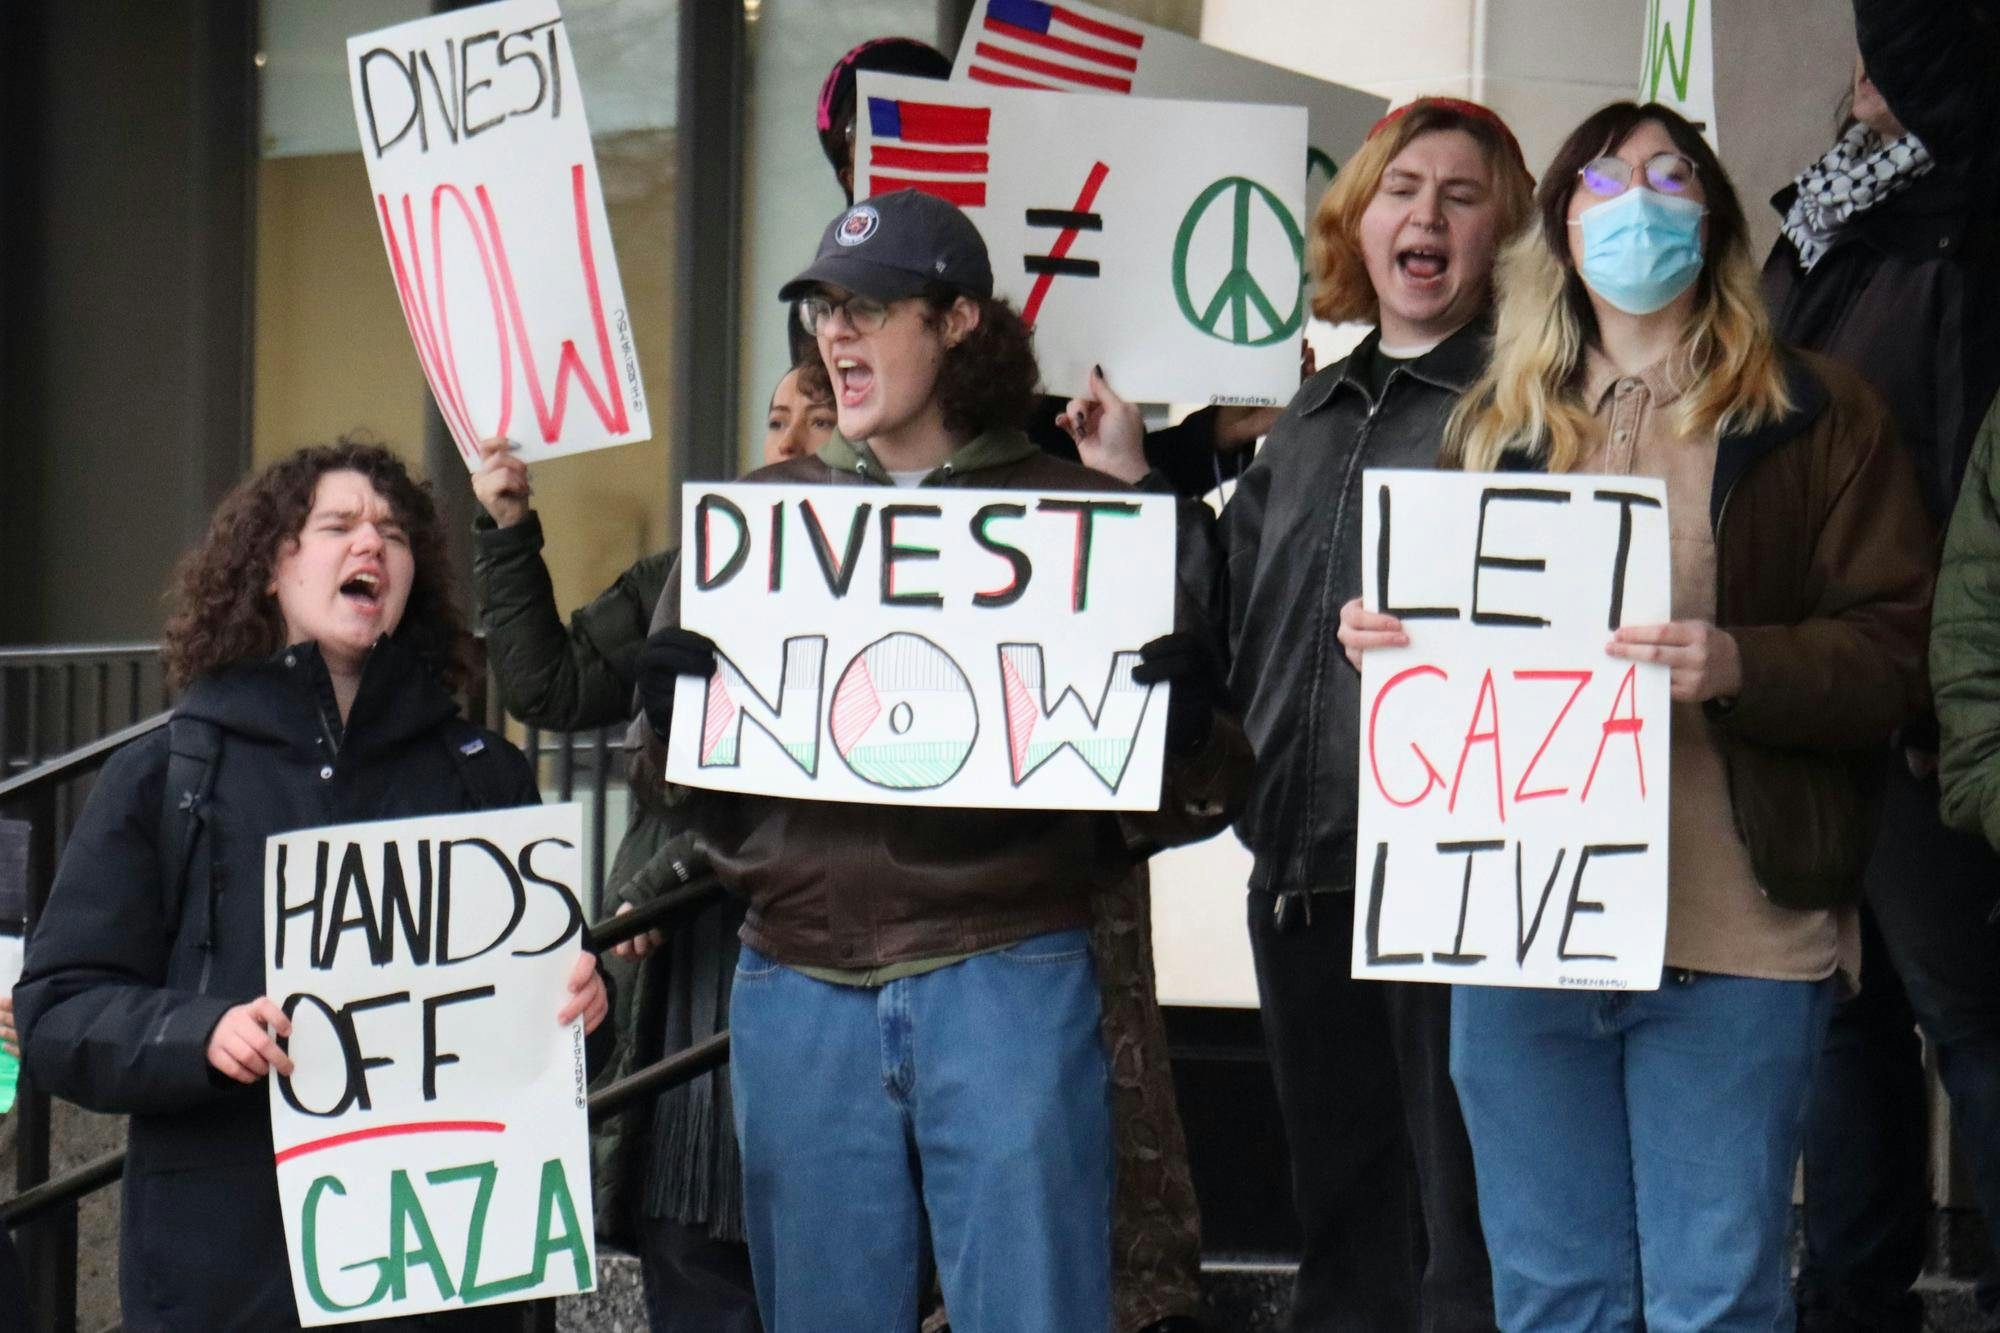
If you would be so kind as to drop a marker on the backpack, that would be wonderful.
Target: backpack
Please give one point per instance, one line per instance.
(194, 747)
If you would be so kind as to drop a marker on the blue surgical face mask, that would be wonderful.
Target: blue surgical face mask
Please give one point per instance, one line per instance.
(1642, 249)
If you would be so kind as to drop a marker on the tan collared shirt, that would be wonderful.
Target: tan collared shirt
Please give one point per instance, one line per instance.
(1718, 919)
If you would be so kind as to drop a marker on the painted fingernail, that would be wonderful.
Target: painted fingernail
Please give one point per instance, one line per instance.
(1099, 371)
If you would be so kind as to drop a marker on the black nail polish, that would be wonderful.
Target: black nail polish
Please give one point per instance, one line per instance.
(1099, 370)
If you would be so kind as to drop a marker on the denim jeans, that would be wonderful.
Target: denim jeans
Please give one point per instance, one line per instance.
(974, 1099)
(1931, 959)
(1635, 1150)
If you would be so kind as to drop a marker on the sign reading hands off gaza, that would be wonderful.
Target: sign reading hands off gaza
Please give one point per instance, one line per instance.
(1513, 776)
(1162, 240)
(485, 188)
(431, 1142)
(937, 646)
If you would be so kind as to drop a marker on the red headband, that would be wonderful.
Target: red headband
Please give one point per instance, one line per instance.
(1464, 108)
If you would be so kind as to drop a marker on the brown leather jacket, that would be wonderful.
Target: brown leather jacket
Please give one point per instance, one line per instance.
(1824, 566)
(858, 886)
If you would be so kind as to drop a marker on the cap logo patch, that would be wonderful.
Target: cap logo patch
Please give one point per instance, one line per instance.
(859, 224)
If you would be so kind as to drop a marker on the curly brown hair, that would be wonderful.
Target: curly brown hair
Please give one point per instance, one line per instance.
(989, 379)
(223, 609)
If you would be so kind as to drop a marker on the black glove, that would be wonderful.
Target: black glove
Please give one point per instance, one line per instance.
(1185, 660)
(668, 655)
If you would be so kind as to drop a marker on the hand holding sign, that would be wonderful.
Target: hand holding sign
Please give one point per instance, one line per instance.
(1704, 659)
(244, 1044)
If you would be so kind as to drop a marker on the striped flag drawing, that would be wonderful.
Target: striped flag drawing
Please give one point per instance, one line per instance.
(1053, 48)
(928, 146)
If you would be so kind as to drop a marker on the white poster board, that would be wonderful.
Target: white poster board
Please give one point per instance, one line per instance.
(1677, 68)
(1513, 776)
(483, 181)
(1081, 48)
(937, 647)
(432, 1147)
(1180, 272)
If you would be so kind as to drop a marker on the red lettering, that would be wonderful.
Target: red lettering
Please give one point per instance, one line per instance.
(415, 301)
(1474, 736)
(1582, 678)
(1432, 778)
(550, 417)
(1629, 725)
(492, 296)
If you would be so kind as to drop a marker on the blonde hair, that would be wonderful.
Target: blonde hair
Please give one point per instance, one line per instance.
(1342, 291)
(1530, 399)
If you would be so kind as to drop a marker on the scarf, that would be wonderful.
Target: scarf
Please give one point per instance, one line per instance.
(1857, 173)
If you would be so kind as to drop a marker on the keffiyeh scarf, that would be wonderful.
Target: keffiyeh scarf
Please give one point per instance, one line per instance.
(1857, 173)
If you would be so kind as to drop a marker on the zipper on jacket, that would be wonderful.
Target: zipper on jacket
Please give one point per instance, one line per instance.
(1302, 848)
(218, 877)
(1728, 767)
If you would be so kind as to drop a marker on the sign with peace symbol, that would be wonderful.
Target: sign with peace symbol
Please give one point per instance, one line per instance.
(1252, 317)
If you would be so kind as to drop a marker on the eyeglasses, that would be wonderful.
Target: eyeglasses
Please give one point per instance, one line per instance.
(1668, 173)
(864, 313)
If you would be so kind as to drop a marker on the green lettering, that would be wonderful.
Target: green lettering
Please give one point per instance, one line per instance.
(310, 1228)
(555, 1198)
(406, 1211)
(470, 1289)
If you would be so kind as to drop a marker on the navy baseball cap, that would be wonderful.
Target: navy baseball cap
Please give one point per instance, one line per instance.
(893, 246)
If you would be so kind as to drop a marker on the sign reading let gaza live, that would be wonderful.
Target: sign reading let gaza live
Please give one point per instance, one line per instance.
(936, 646)
(1513, 775)
(432, 1151)
(486, 191)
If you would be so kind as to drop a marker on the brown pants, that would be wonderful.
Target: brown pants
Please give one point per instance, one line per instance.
(1155, 1220)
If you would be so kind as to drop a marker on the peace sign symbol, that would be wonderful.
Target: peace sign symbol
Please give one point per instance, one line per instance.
(1238, 292)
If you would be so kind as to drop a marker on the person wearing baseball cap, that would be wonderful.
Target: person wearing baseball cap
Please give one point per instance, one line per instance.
(915, 1050)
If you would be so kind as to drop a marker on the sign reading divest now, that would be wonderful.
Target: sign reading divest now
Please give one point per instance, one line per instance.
(432, 1149)
(486, 191)
(1513, 775)
(935, 646)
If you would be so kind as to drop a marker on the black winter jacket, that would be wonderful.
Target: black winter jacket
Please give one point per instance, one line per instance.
(1291, 540)
(1909, 292)
(115, 1012)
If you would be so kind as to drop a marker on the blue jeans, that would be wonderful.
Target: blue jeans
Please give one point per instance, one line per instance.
(1635, 1150)
(976, 1098)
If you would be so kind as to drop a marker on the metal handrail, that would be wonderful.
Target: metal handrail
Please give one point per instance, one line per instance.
(80, 761)
(668, 1072)
(67, 652)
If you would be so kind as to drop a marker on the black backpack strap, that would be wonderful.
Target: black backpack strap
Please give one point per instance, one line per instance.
(193, 747)
(479, 767)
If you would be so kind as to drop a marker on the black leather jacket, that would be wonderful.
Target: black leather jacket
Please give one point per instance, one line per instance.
(1291, 541)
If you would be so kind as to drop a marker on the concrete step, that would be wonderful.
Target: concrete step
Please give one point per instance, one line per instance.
(1242, 1297)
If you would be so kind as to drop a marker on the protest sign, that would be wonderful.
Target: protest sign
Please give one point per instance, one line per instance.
(1180, 272)
(1080, 48)
(486, 190)
(431, 1142)
(1678, 66)
(1513, 776)
(941, 647)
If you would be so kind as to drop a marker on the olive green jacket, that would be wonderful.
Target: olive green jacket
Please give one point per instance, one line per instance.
(1965, 646)
(575, 678)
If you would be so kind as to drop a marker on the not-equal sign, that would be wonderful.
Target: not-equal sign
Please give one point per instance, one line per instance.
(1067, 222)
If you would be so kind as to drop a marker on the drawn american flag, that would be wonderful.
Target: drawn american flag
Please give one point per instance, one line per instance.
(1053, 48)
(938, 149)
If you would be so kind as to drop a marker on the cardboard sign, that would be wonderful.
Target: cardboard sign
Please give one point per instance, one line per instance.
(939, 647)
(432, 1149)
(1513, 776)
(485, 188)
(1180, 272)
(1678, 66)
(1080, 48)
